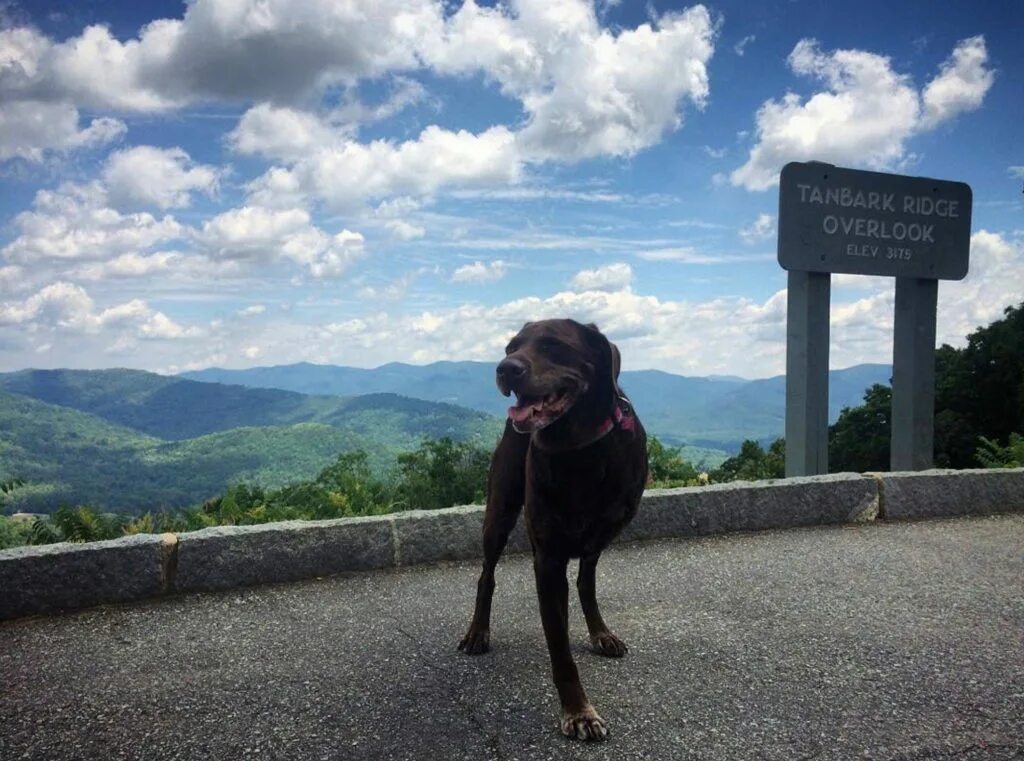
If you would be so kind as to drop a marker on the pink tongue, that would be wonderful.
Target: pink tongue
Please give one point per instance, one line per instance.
(519, 413)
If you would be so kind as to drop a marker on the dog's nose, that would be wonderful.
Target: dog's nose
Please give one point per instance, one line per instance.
(510, 371)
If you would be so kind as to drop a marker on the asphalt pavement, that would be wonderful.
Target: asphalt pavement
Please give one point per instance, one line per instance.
(881, 641)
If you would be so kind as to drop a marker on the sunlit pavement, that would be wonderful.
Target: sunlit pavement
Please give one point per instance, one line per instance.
(884, 641)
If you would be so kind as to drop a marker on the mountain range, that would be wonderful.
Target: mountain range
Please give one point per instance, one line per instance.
(133, 440)
(718, 412)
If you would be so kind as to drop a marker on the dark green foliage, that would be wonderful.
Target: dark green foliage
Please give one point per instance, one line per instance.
(442, 473)
(70, 457)
(992, 455)
(8, 486)
(859, 441)
(437, 474)
(667, 467)
(753, 463)
(14, 532)
(980, 390)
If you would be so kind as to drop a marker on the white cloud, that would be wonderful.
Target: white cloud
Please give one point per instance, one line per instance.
(224, 50)
(168, 264)
(405, 230)
(392, 291)
(961, 84)
(690, 255)
(610, 95)
(611, 277)
(761, 229)
(74, 223)
(252, 310)
(261, 235)
(346, 173)
(64, 306)
(587, 91)
(715, 153)
(478, 272)
(277, 188)
(862, 329)
(11, 277)
(28, 129)
(286, 134)
(865, 116)
(1016, 171)
(160, 177)
(728, 334)
(741, 47)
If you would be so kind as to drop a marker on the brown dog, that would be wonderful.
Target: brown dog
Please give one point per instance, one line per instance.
(575, 453)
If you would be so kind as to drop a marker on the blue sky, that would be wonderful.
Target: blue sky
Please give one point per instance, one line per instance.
(243, 182)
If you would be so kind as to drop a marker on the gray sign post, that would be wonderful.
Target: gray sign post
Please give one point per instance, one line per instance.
(840, 220)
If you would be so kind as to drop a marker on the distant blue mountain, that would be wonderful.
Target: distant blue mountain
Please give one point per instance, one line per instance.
(717, 411)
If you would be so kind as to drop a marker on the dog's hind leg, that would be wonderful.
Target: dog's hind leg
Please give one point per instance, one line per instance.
(506, 489)
(602, 640)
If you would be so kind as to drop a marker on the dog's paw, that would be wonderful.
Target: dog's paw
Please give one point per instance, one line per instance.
(476, 642)
(606, 643)
(584, 725)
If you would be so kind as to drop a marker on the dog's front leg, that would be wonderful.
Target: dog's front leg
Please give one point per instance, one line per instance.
(579, 719)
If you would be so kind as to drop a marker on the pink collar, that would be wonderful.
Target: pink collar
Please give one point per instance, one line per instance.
(625, 420)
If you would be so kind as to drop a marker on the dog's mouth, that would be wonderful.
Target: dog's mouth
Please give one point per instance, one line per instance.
(531, 413)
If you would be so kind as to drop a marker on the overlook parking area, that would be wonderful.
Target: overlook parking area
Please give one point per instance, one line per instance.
(900, 640)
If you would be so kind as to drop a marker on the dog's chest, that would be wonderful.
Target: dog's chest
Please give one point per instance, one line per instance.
(578, 503)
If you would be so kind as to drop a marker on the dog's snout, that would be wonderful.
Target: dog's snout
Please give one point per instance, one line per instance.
(510, 371)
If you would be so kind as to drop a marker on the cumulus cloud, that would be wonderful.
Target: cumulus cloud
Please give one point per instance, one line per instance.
(599, 94)
(29, 129)
(160, 177)
(586, 90)
(11, 277)
(761, 229)
(961, 84)
(257, 234)
(865, 116)
(344, 172)
(222, 50)
(74, 223)
(68, 307)
(405, 230)
(611, 277)
(479, 272)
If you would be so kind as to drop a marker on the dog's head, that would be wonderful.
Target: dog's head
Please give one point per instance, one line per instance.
(558, 367)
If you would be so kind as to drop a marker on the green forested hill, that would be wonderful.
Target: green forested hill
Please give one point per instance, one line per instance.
(165, 407)
(70, 456)
(175, 409)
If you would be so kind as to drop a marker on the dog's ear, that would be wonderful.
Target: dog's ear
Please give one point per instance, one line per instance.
(607, 354)
(616, 363)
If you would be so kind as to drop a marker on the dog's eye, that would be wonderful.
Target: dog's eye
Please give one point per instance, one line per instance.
(547, 343)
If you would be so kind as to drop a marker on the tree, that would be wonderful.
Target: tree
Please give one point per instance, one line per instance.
(667, 465)
(9, 486)
(859, 440)
(753, 463)
(979, 395)
(992, 455)
(442, 473)
(979, 390)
